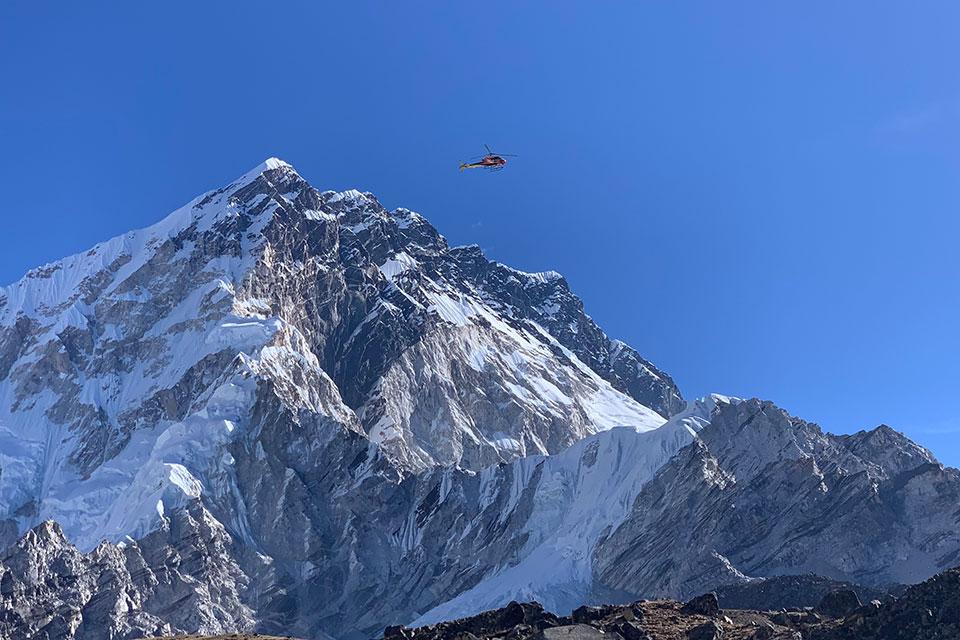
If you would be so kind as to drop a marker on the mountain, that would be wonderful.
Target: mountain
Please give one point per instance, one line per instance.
(357, 317)
(296, 412)
(761, 493)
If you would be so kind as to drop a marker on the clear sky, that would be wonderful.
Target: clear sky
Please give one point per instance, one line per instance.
(761, 197)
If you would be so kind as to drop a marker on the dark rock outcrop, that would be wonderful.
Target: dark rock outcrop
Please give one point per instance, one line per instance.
(839, 603)
(794, 591)
(706, 631)
(704, 605)
(927, 611)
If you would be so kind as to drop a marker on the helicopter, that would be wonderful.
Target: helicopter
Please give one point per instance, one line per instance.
(492, 161)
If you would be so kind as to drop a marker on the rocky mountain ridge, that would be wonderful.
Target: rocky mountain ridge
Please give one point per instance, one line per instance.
(765, 493)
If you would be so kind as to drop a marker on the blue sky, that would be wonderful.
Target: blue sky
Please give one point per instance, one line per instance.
(761, 197)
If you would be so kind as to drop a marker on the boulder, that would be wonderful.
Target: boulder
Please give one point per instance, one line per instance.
(707, 631)
(394, 631)
(781, 618)
(839, 603)
(705, 605)
(512, 615)
(629, 630)
(588, 613)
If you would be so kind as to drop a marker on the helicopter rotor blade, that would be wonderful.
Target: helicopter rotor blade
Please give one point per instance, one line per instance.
(489, 152)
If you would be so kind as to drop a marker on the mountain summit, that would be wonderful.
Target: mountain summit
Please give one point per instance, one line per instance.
(298, 412)
(127, 369)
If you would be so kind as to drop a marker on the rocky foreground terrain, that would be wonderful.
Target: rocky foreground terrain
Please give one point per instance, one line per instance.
(228, 636)
(928, 611)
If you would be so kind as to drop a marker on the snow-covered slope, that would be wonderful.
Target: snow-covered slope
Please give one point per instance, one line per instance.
(582, 494)
(125, 369)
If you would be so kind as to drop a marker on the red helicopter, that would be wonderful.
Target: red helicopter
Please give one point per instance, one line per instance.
(492, 161)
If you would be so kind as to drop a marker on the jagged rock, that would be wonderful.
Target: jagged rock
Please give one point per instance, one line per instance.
(590, 613)
(760, 491)
(162, 584)
(839, 603)
(707, 631)
(927, 611)
(527, 613)
(629, 630)
(705, 605)
(512, 615)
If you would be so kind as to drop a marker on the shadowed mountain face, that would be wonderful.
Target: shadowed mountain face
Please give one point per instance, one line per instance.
(296, 412)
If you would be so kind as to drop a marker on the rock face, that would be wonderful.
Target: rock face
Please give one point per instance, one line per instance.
(179, 577)
(295, 412)
(761, 493)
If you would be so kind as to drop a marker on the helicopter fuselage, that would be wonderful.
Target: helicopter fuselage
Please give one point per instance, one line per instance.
(487, 162)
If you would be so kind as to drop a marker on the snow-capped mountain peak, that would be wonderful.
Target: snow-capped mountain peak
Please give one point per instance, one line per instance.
(127, 372)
